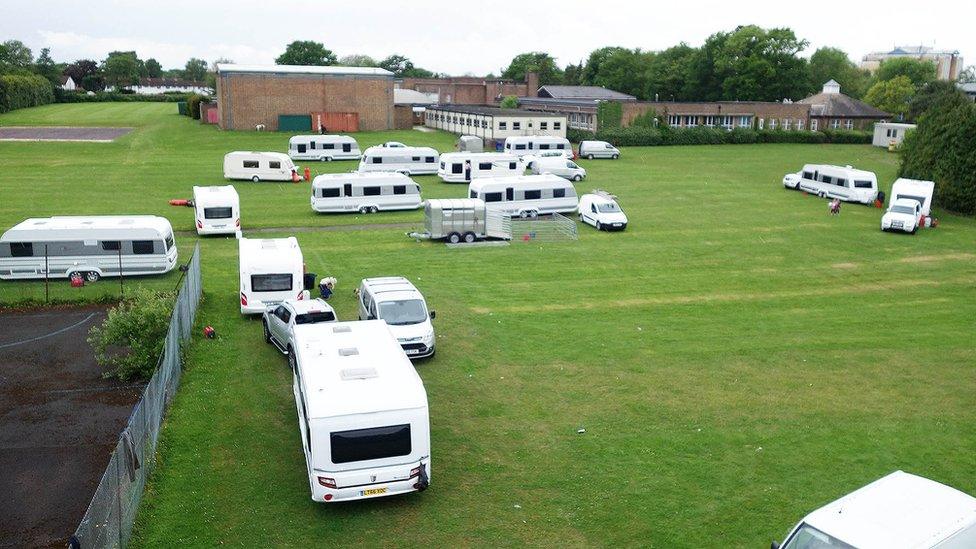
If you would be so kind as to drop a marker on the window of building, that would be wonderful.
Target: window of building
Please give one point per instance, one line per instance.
(21, 249)
(772, 123)
(813, 125)
(762, 122)
(745, 121)
(274, 165)
(142, 247)
(330, 192)
(503, 125)
(849, 124)
(799, 124)
(710, 121)
(691, 121)
(786, 124)
(250, 163)
(557, 125)
(533, 195)
(834, 124)
(727, 122)
(674, 120)
(543, 125)
(516, 125)
(371, 191)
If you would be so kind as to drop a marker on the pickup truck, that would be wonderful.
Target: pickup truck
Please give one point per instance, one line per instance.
(279, 322)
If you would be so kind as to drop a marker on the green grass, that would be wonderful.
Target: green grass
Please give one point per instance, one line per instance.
(737, 357)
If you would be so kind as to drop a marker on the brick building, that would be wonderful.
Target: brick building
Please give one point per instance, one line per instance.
(833, 110)
(471, 90)
(252, 95)
(759, 115)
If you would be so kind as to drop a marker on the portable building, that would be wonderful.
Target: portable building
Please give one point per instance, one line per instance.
(271, 271)
(217, 210)
(324, 148)
(406, 160)
(470, 143)
(259, 166)
(887, 134)
(525, 195)
(462, 167)
(367, 192)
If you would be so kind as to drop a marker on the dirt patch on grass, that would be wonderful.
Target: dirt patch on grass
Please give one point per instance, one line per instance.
(962, 256)
(55, 133)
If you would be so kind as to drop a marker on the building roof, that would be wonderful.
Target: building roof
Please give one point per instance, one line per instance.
(831, 103)
(65, 78)
(492, 111)
(583, 92)
(403, 96)
(223, 68)
(171, 83)
(553, 102)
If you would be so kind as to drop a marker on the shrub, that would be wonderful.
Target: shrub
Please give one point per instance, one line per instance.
(631, 136)
(21, 91)
(782, 136)
(576, 136)
(609, 114)
(509, 102)
(108, 97)
(129, 341)
(193, 105)
(855, 137)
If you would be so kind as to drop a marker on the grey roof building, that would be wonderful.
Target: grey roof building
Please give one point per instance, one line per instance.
(831, 109)
(592, 93)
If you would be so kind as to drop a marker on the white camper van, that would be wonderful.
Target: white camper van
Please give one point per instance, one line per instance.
(271, 271)
(396, 301)
(324, 148)
(406, 160)
(462, 167)
(525, 195)
(521, 145)
(259, 166)
(362, 412)
(598, 149)
(89, 246)
(217, 210)
(899, 511)
(367, 192)
(843, 182)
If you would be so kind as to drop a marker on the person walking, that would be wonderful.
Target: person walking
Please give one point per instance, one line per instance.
(467, 170)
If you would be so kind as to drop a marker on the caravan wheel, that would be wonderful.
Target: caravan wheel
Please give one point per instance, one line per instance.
(469, 237)
(255, 179)
(454, 238)
(92, 276)
(76, 274)
(326, 159)
(533, 214)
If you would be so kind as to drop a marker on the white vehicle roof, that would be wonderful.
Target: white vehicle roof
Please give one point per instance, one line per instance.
(270, 254)
(473, 156)
(595, 142)
(392, 288)
(215, 196)
(308, 305)
(849, 170)
(277, 155)
(329, 138)
(541, 181)
(400, 151)
(900, 510)
(599, 198)
(96, 227)
(359, 178)
(536, 138)
(356, 368)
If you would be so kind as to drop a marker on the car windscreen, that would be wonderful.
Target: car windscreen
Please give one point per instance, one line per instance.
(401, 313)
(218, 213)
(903, 209)
(609, 207)
(315, 317)
(271, 282)
(374, 443)
(808, 537)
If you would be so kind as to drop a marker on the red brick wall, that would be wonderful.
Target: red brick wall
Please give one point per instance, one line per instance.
(402, 117)
(469, 90)
(766, 111)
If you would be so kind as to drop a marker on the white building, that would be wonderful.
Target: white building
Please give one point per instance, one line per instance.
(948, 63)
(68, 83)
(155, 86)
(887, 133)
(494, 123)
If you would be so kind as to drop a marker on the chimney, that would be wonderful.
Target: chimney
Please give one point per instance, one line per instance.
(532, 83)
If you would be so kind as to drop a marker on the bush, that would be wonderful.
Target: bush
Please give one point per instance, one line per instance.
(113, 97)
(782, 136)
(854, 137)
(609, 114)
(130, 340)
(575, 136)
(631, 136)
(22, 91)
(193, 105)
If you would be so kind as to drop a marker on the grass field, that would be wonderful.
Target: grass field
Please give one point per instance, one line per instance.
(737, 357)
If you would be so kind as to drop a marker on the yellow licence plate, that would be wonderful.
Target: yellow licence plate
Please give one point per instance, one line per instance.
(374, 491)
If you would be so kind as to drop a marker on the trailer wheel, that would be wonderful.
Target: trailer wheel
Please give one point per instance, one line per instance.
(374, 209)
(469, 237)
(267, 332)
(326, 159)
(76, 274)
(255, 179)
(92, 276)
(454, 238)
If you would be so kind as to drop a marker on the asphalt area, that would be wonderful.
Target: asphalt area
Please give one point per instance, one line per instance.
(41, 133)
(59, 422)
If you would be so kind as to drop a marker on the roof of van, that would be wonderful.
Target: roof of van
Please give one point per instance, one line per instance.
(269, 252)
(355, 368)
(66, 227)
(215, 195)
(391, 284)
(478, 155)
(331, 179)
(519, 181)
(850, 169)
(898, 510)
(399, 151)
(320, 137)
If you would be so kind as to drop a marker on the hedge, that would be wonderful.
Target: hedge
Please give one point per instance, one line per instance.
(22, 91)
(193, 105)
(637, 136)
(64, 96)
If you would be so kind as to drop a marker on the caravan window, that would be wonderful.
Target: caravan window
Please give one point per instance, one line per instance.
(275, 165)
(491, 197)
(826, 179)
(250, 163)
(841, 182)
(142, 247)
(484, 165)
(511, 165)
(332, 192)
(169, 242)
(271, 282)
(559, 193)
(366, 444)
(533, 195)
(218, 213)
(111, 245)
(543, 146)
(21, 249)
(457, 168)
(520, 146)
(473, 194)
(399, 189)
(863, 184)
(430, 159)
(415, 159)
(377, 160)
(371, 191)
(328, 146)
(560, 146)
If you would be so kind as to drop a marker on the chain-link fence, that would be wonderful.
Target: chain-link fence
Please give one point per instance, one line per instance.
(551, 228)
(108, 520)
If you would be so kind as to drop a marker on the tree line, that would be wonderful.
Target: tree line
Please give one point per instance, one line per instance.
(309, 52)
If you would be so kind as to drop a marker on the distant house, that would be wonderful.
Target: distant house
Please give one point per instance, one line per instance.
(68, 83)
(154, 86)
(832, 110)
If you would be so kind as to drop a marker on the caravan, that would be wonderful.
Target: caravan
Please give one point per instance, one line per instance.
(525, 195)
(406, 160)
(522, 145)
(324, 148)
(364, 192)
(271, 271)
(362, 412)
(217, 210)
(259, 166)
(462, 167)
(92, 247)
(914, 189)
(843, 182)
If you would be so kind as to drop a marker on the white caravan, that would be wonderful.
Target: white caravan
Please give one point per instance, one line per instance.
(601, 210)
(259, 166)
(88, 246)
(563, 167)
(217, 210)
(367, 192)
(324, 148)
(396, 301)
(406, 160)
(914, 189)
(598, 149)
(362, 412)
(903, 214)
(463, 219)
(525, 195)
(271, 271)
(462, 167)
(521, 145)
(899, 511)
(843, 182)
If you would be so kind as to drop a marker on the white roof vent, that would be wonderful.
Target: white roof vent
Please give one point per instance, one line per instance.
(357, 373)
(341, 329)
(269, 244)
(348, 351)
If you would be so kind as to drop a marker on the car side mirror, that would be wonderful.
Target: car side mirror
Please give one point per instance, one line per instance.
(433, 315)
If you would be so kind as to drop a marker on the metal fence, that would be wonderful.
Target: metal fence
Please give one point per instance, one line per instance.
(552, 228)
(108, 520)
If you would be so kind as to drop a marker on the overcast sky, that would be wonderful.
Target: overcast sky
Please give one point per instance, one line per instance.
(459, 37)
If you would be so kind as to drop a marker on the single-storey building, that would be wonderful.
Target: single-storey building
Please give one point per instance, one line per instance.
(493, 123)
(414, 100)
(888, 133)
(153, 86)
(291, 97)
(471, 90)
(832, 110)
(728, 115)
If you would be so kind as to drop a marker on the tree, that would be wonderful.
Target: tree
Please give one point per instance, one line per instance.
(306, 52)
(82, 69)
(196, 69)
(595, 61)
(891, 96)
(153, 68)
(509, 102)
(934, 93)
(46, 67)
(669, 75)
(397, 64)
(357, 60)
(919, 72)
(14, 55)
(538, 62)
(968, 75)
(121, 69)
(624, 70)
(128, 342)
(573, 74)
(828, 64)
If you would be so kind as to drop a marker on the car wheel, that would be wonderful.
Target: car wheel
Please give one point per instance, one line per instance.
(291, 359)
(469, 237)
(577, 178)
(581, 218)
(454, 238)
(92, 276)
(599, 226)
(267, 332)
(589, 156)
(255, 179)
(616, 156)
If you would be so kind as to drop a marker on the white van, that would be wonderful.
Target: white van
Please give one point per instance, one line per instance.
(259, 166)
(899, 511)
(914, 189)
(324, 148)
(400, 304)
(521, 145)
(598, 149)
(362, 412)
(601, 210)
(88, 246)
(563, 167)
(271, 271)
(217, 210)
(843, 182)
(367, 192)
(525, 195)
(461, 167)
(406, 160)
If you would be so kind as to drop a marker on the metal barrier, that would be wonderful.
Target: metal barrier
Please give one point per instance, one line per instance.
(112, 511)
(552, 228)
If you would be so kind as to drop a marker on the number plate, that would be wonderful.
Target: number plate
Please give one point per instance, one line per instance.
(412, 351)
(374, 492)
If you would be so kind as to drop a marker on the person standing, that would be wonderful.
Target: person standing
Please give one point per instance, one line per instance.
(467, 170)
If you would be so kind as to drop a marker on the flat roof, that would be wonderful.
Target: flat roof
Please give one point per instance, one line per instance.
(226, 68)
(493, 111)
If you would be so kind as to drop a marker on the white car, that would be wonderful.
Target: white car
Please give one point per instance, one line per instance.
(598, 149)
(530, 159)
(601, 210)
(393, 145)
(563, 167)
(279, 322)
(904, 214)
(397, 301)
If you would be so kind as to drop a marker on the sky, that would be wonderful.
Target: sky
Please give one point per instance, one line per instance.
(457, 37)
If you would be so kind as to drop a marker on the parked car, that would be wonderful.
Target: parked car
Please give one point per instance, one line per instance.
(393, 145)
(904, 214)
(562, 167)
(601, 210)
(400, 304)
(530, 159)
(279, 322)
(598, 149)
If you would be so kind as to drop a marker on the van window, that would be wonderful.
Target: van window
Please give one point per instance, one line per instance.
(21, 249)
(142, 247)
(271, 282)
(484, 165)
(399, 189)
(863, 184)
(559, 193)
(332, 192)
(366, 444)
(533, 195)
(111, 245)
(807, 175)
(491, 197)
(371, 191)
(250, 163)
(274, 164)
(218, 213)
